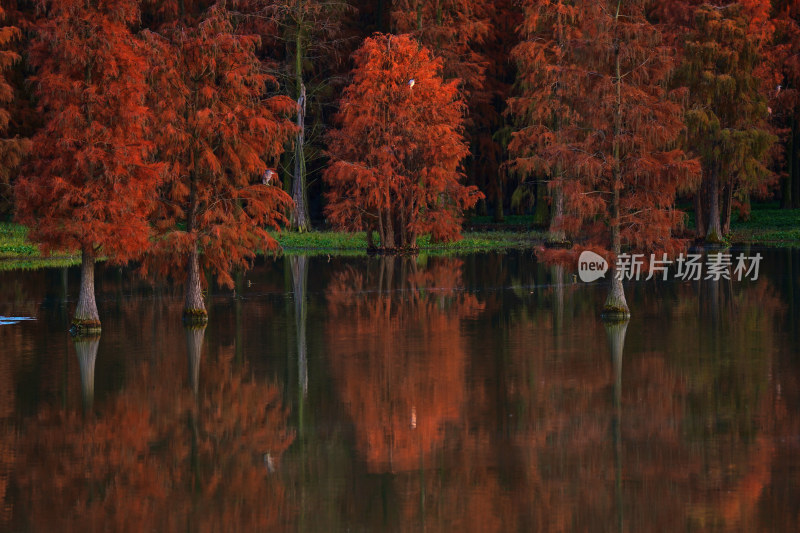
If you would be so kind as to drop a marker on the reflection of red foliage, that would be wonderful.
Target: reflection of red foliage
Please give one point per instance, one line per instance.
(157, 458)
(400, 358)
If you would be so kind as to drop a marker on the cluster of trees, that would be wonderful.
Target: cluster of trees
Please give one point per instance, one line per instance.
(182, 121)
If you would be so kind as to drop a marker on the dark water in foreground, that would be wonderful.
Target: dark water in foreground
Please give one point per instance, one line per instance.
(443, 394)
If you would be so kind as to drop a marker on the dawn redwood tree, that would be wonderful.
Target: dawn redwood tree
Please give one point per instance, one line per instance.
(541, 106)
(619, 168)
(395, 159)
(472, 39)
(726, 116)
(91, 185)
(454, 30)
(12, 147)
(218, 132)
(311, 32)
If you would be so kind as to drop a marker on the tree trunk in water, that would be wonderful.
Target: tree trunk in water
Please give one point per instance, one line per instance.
(714, 232)
(727, 205)
(194, 309)
(300, 221)
(86, 348)
(87, 319)
(194, 349)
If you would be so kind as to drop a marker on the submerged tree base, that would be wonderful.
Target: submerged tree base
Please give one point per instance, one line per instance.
(615, 313)
(85, 327)
(195, 316)
(557, 243)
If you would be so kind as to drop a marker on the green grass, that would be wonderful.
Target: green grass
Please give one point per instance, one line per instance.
(338, 243)
(37, 263)
(14, 242)
(17, 253)
(768, 225)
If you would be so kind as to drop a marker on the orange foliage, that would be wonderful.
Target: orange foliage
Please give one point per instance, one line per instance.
(218, 133)
(395, 159)
(92, 174)
(595, 118)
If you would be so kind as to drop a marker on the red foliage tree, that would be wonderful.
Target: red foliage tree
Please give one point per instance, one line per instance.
(91, 184)
(395, 160)
(726, 119)
(615, 150)
(13, 149)
(454, 30)
(473, 39)
(539, 108)
(218, 131)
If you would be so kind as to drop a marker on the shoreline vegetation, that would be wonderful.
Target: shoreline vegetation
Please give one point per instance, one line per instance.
(767, 226)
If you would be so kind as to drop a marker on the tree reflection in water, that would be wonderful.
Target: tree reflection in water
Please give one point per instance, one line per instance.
(166, 453)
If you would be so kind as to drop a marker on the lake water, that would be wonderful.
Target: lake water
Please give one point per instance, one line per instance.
(479, 393)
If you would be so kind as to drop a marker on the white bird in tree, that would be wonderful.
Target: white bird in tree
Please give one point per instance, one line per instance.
(267, 177)
(411, 82)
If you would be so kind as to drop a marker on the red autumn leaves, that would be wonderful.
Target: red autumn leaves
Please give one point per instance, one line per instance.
(395, 159)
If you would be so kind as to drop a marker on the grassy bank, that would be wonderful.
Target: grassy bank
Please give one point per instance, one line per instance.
(337, 243)
(17, 253)
(768, 225)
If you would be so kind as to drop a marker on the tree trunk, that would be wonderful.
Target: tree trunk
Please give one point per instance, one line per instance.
(699, 214)
(87, 319)
(557, 234)
(370, 240)
(300, 220)
(499, 216)
(714, 233)
(616, 307)
(388, 227)
(541, 211)
(194, 309)
(727, 205)
(786, 183)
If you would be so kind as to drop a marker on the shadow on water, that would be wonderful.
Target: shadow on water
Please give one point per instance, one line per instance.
(479, 393)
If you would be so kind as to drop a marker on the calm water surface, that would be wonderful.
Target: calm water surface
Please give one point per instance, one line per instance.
(479, 393)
